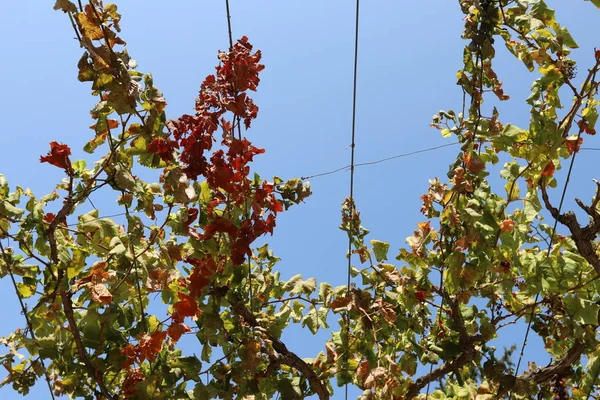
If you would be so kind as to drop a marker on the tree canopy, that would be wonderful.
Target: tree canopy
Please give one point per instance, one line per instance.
(483, 258)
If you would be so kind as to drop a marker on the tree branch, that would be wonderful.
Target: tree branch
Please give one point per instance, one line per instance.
(581, 236)
(286, 357)
(466, 343)
(560, 367)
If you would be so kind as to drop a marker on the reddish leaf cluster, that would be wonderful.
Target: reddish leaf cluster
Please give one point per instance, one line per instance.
(219, 93)
(147, 348)
(134, 376)
(584, 126)
(251, 228)
(226, 172)
(203, 269)
(230, 173)
(573, 145)
(185, 307)
(549, 169)
(58, 156)
(163, 148)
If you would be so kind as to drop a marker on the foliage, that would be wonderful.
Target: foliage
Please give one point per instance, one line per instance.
(482, 260)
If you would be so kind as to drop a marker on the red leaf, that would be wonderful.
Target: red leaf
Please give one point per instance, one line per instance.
(507, 225)
(175, 330)
(58, 156)
(48, 218)
(150, 345)
(573, 145)
(549, 170)
(163, 148)
(185, 307)
(220, 225)
(341, 302)
(203, 269)
(192, 215)
(134, 376)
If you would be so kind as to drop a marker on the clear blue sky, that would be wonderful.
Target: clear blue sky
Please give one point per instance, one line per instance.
(409, 54)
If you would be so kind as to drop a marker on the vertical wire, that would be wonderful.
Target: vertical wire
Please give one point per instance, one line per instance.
(352, 146)
(239, 129)
(229, 25)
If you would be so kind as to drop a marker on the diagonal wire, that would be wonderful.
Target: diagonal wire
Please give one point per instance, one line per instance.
(593, 383)
(24, 311)
(353, 147)
(346, 167)
(562, 199)
(537, 296)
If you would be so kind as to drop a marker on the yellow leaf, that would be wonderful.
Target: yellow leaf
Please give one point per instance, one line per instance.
(89, 27)
(547, 69)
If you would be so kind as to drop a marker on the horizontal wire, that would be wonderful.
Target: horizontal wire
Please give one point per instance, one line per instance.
(336, 170)
(346, 167)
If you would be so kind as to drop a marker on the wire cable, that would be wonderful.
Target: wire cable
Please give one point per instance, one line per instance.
(229, 25)
(8, 262)
(562, 199)
(352, 166)
(346, 167)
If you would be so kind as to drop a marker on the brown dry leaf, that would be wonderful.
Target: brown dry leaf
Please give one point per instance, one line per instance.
(363, 370)
(89, 26)
(473, 162)
(371, 380)
(341, 302)
(386, 310)
(101, 294)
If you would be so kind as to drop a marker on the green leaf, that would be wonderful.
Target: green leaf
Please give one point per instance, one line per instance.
(190, 365)
(47, 347)
(124, 178)
(512, 191)
(78, 166)
(380, 249)
(9, 210)
(289, 390)
(325, 292)
(297, 308)
(297, 285)
(565, 37)
(595, 2)
(290, 284)
(584, 310)
(96, 142)
(311, 320)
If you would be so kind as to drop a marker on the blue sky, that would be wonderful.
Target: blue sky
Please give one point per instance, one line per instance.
(409, 53)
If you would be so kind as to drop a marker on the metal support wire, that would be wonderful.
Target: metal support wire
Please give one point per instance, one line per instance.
(229, 25)
(8, 263)
(230, 35)
(562, 199)
(537, 296)
(352, 147)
